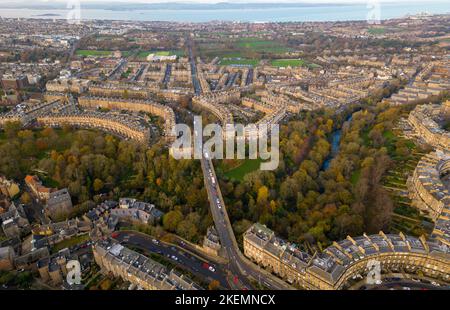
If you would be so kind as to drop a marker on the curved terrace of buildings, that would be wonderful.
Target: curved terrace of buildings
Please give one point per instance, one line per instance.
(336, 266)
(147, 106)
(428, 190)
(426, 119)
(118, 90)
(213, 103)
(121, 125)
(65, 111)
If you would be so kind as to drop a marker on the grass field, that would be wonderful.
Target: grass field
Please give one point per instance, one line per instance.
(70, 242)
(99, 53)
(258, 45)
(238, 173)
(144, 54)
(242, 61)
(245, 48)
(288, 62)
(93, 53)
(376, 31)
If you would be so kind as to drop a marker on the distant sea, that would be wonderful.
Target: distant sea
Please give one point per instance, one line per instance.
(282, 14)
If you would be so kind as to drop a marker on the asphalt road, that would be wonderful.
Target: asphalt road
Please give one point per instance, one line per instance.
(195, 82)
(405, 284)
(175, 255)
(241, 267)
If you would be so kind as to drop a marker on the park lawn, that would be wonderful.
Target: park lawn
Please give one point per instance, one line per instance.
(355, 177)
(49, 182)
(376, 30)
(93, 53)
(248, 166)
(241, 62)
(70, 242)
(288, 62)
(99, 53)
(144, 54)
(258, 45)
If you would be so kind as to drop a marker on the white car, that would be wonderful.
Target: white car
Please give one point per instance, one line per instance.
(211, 268)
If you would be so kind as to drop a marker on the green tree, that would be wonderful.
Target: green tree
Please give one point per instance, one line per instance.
(171, 220)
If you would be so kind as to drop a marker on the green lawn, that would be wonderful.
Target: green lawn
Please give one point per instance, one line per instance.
(259, 45)
(242, 61)
(238, 173)
(355, 176)
(70, 242)
(376, 31)
(99, 53)
(144, 54)
(93, 53)
(287, 62)
(49, 182)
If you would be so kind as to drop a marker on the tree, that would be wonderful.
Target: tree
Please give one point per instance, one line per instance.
(25, 198)
(263, 195)
(11, 129)
(172, 219)
(214, 285)
(98, 185)
(188, 230)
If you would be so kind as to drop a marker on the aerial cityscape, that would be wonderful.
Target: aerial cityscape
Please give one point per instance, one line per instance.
(325, 163)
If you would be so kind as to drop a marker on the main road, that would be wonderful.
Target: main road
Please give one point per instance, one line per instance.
(240, 266)
(242, 269)
(176, 255)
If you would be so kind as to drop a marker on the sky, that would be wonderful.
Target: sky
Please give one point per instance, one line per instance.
(217, 1)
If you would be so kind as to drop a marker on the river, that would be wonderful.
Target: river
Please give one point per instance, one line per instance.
(335, 145)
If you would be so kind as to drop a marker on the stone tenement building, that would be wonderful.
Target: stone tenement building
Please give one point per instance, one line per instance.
(68, 85)
(213, 102)
(433, 80)
(118, 90)
(65, 111)
(121, 125)
(138, 211)
(339, 263)
(427, 121)
(429, 189)
(429, 185)
(138, 269)
(151, 107)
(257, 105)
